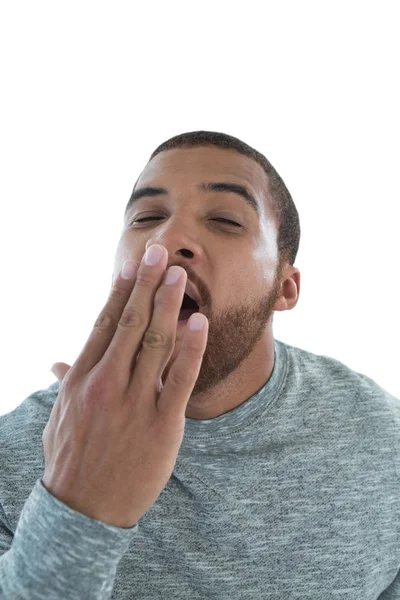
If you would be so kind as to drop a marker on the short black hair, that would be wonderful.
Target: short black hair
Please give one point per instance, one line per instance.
(287, 217)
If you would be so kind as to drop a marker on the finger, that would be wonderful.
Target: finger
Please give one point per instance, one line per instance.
(105, 325)
(137, 314)
(159, 339)
(60, 370)
(184, 371)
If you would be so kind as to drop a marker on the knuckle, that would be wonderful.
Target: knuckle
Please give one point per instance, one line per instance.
(179, 377)
(105, 321)
(118, 291)
(94, 388)
(156, 339)
(131, 318)
(143, 280)
(99, 387)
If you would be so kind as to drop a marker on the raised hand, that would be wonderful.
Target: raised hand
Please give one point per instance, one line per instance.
(114, 433)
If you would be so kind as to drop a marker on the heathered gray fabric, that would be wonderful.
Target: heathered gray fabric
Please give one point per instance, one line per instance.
(295, 494)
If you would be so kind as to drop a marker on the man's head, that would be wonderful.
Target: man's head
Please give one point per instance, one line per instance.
(242, 270)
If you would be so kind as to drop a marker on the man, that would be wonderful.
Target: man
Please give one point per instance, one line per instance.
(286, 484)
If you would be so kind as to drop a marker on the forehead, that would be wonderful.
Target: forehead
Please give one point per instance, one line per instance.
(190, 166)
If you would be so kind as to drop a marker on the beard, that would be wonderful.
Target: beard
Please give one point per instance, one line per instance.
(232, 336)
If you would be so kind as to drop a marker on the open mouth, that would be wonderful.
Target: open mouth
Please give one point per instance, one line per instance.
(189, 306)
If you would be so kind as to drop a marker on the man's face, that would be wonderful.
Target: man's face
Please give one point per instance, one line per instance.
(233, 268)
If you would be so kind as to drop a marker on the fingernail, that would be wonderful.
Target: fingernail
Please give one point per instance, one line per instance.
(153, 255)
(173, 274)
(128, 269)
(196, 322)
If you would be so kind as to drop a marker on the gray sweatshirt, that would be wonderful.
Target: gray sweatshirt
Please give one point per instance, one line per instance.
(294, 494)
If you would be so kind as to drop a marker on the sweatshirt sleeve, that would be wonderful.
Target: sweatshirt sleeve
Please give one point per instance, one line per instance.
(393, 591)
(57, 553)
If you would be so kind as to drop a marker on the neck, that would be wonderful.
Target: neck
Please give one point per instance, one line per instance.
(239, 386)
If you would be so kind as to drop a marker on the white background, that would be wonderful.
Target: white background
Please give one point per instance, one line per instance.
(89, 89)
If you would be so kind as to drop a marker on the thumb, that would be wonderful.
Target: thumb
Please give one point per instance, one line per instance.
(60, 370)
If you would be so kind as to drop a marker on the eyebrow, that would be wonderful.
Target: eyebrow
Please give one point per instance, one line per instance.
(205, 186)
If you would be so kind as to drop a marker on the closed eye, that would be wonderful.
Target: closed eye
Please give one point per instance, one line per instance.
(218, 219)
